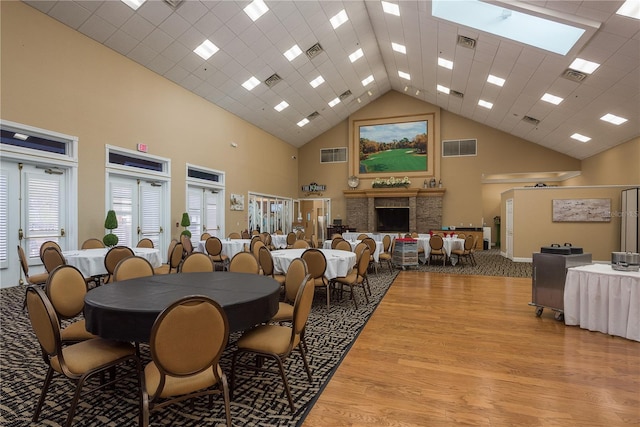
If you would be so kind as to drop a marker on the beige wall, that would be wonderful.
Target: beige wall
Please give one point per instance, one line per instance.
(618, 165)
(57, 79)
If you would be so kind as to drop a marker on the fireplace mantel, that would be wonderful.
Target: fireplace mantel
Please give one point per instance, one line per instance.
(394, 192)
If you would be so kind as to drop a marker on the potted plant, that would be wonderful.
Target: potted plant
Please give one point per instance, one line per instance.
(110, 223)
(185, 222)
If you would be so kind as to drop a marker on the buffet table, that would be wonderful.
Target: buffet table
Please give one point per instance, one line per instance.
(599, 298)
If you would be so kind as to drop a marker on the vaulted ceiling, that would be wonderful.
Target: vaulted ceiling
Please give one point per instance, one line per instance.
(162, 37)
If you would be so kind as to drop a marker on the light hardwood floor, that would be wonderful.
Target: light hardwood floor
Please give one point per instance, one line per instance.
(448, 350)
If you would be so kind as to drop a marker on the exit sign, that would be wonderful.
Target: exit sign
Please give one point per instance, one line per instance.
(142, 147)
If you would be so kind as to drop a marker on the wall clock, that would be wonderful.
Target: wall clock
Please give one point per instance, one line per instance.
(353, 181)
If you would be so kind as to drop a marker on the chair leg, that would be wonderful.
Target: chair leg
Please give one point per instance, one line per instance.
(227, 399)
(74, 401)
(43, 394)
(304, 360)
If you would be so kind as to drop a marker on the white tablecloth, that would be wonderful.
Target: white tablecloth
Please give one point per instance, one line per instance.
(353, 235)
(338, 262)
(353, 243)
(91, 261)
(599, 298)
(279, 240)
(230, 247)
(449, 243)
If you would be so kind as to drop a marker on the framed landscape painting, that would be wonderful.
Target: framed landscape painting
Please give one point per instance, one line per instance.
(394, 146)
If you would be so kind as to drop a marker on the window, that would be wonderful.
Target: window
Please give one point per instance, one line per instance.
(459, 148)
(333, 155)
(205, 201)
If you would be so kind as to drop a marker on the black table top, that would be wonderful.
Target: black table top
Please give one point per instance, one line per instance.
(126, 310)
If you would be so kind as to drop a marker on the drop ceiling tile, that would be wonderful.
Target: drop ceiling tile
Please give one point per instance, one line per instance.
(158, 40)
(160, 64)
(121, 42)
(43, 6)
(114, 12)
(70, 14)
(97, 28)
(138, 27)
(175, 25)
(176, 74)
(142, 54)
(155, 11)
(208, 24)
(192, 11)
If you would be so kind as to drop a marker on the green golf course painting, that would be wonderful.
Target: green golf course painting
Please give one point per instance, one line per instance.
(393, 147)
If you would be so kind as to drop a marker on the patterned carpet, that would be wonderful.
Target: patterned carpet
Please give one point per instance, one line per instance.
(258, 400)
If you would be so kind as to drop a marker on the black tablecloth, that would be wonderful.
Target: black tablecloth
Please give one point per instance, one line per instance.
(126, 310)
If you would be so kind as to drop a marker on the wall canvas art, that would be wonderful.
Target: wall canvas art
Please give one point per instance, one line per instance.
(581, 210)
(237, 202)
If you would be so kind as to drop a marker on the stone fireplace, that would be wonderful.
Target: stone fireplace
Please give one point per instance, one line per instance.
(421, 207)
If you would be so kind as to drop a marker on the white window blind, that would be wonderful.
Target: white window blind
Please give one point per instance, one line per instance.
(150, 221)
(122, 204)
(42, 216)
(211, 211)
(4, 218)
(194, 209)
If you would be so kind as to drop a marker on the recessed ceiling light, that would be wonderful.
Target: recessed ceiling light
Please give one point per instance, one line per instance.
(445, 63)
(404, 75)
(316, 82)
(417, 92)
(281, 106)
(443, 89)
(21, 136)
(613, 119)
(334, 102)
(583, 65)
(339, 19)
(251, 83)
(293, 53)
(630, 8)
(133, 4)
(555, 100)
(356, 55)
(495, 80)
(303, 122)
(399, 48)
(256, 9)
(206, 50)
(485, 104)
(390, 8)
(580, 138)
(367, 81)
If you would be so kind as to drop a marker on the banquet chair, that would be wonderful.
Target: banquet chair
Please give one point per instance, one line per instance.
(213, 246)
(465, 252)
(66, 289)
(359, 248)
(276, 342)
(235, 235)
(255, 246)
(244, 262)
(187, 246)
(279, 232)
(473, 249)
(92, 243)
(255, 233)
(300, 235)
(291, 238)
(437, 249)
(316, 266)
(296, 275)
(268, 241)
(300, 244)
(356, 277)
(197, 262)
(336, 235)
(52, 258)
(48, 244)
(372, 248)
(175, 254)
(343, 245)
(415, 235)
(185, 360)
(336, 240)
(266, 264)
(387, 252)
(131, 268)
(314, 241)
(78, 362)
(245, 235)
(145, 243)
(113, 257)
(32, 280)
(204, 236)
(362, 236)
(462, 236)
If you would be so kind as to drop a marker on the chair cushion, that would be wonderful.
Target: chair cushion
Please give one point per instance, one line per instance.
(37, 279)
(176, 386)
(91, 354)
(285, 312)
(348, 279)
(272, 339)
(76, 331)
(163, 269)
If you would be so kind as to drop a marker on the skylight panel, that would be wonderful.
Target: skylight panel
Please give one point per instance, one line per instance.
(404, 75)
(611, 118)
(630, 8)
(251, 83)
(256, 9)
(206, 49)
(316, 82)
(293, 53)
(495, 80)
(367, 81)
(486, 104)
(334, 102)
(584, 66)
(399, 48)
(356, 55)
(552, 99)
(390, 8)
(495, 19)
(443, 89)
(445, 63)
(303, 122)
(580, 138)
(339, 19)
(281, 106)
(133, 4)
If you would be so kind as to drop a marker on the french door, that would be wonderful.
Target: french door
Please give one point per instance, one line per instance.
(204, 207)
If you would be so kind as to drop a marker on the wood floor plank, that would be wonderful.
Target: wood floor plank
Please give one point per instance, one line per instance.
(445, 350)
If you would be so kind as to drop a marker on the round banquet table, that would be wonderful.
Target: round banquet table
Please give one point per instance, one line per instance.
(126, 310)
(91, 261)
(338, 262)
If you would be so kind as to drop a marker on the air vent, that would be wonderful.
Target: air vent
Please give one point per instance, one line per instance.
(174, 3)
(531, 120)
(573, 75)
(313, 115)
(456, 94)
(459, 147)
(344, 95)
(467, 42)
(314, 51)
(273, 80)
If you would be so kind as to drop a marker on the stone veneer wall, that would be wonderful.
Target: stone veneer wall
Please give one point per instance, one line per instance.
(425, 207)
